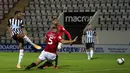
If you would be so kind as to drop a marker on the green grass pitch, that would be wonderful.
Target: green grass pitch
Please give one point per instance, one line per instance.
(68, 63)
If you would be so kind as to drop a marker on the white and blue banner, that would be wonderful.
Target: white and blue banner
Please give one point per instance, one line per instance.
(99, 49)
(14, 48)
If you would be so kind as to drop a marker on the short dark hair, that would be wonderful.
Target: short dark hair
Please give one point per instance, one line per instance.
(54, 19)
(16, 12)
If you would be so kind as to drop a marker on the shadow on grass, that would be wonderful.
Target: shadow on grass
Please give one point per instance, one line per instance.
(20, 69)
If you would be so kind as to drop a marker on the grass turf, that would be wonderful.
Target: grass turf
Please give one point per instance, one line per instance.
(68, 63)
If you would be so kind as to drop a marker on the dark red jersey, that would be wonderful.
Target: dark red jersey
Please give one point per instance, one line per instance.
(62, 30)
(52, 40)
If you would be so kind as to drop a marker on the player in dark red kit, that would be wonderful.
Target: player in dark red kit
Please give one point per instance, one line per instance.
(49, 53)
(61, 30)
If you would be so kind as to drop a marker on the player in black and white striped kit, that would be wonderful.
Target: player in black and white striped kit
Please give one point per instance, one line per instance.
(88, 39)
(17, 32)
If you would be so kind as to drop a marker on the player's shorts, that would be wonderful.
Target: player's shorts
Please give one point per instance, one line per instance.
(17, 40)
(89, 45)
(47, 56)
(14, 37)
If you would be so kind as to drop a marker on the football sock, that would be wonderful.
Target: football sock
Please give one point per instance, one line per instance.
(89, 57)
(56, 60)
(28, 40)
(21, 53)
(91, 53)
(30, 66)
(47, 63)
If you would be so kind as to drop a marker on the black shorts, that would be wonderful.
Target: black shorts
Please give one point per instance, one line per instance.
(17, 40)
(15, 37)
(89, 45)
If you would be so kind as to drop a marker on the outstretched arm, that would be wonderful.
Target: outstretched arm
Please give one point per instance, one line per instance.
(23, 29)
(9, 29)
(10, 32)
(83, 39)
(68, 41)
(97, 39)
(67, 33)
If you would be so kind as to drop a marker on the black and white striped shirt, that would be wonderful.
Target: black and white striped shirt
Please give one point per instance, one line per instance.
(16, 25)
(89, 36)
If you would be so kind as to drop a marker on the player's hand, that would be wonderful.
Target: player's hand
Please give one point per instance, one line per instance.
(75, 38)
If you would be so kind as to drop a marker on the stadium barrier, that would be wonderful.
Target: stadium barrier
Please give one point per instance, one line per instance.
(99, 49)
(14, 48)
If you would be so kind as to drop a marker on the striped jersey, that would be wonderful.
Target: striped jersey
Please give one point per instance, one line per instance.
(16, 25)
(89, 36)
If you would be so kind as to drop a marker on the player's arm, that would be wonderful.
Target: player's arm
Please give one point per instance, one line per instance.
(83, 37)
(68, 41)
(10, 32)
(67, 33)
(23, 29)
(96, 37)
(9, 29)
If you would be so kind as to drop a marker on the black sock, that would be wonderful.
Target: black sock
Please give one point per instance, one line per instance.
(43, 65)
(56, 60)
(50, 63)
(30, 66)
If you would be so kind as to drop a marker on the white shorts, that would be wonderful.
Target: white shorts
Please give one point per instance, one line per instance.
(47, 56)
(59, 45)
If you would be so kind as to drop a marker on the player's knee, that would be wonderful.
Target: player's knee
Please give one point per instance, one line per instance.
(20, 46)
(91, 48)
(22, 35)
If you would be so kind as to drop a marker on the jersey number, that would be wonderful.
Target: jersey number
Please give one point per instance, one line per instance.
(50, 40)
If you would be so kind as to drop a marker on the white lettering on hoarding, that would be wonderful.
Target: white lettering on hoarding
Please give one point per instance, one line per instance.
(77, 18)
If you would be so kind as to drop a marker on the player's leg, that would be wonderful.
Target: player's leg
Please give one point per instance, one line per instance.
(45, 65)
(56, 61)
(88, 50)
(21, 51)
(41, 58)
(49, 63)
(37, 62)
(50, 58)
(92, 50)
(28, 40)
